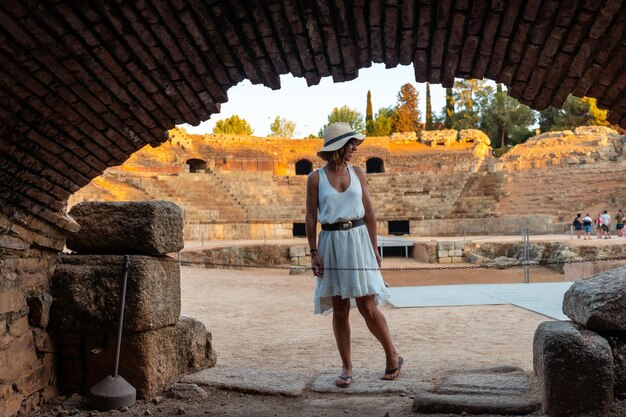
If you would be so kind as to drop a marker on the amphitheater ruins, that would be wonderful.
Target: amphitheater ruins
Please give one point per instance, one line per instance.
(85, 85)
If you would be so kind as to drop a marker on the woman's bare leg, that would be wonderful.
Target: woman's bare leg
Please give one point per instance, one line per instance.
(341, 328)
(377, 325)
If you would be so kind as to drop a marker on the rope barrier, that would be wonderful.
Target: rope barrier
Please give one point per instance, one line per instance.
(532, 264)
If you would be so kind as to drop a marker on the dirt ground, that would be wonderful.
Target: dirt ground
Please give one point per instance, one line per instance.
(262, 319)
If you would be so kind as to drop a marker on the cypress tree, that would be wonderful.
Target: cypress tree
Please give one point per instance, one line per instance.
(449, 107)
(429, 110)
(369, 117)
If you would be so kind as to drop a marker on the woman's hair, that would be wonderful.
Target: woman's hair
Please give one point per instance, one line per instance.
(335, 158)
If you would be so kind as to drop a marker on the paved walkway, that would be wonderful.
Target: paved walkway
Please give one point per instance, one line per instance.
(543, 298)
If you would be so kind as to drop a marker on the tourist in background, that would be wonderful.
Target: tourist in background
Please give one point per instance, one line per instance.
(345, 258)
(587, 220)
(619, 224)
(599, 225)
(578, 225)
(606, 224)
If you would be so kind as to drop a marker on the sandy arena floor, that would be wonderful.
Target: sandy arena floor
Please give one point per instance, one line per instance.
(262, 319)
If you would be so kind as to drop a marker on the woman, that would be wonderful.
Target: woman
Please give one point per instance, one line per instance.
(345, 259)
(599, 225)
(578, 225)
(587, 220)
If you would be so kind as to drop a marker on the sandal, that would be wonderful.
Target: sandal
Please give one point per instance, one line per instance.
(392, 371)
(343, 381)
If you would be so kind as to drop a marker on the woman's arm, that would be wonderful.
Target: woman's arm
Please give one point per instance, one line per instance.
(370, 216)
(310, 221)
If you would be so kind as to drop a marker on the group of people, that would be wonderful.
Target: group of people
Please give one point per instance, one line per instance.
(584, 225)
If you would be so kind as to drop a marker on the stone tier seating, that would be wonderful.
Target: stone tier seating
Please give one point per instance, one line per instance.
(203, 196)
(428, 196)
(157, 344)
(563, 191)
(581, 365)
(269, 197)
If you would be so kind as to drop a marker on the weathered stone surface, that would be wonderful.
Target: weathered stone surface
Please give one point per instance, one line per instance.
(11, 300)
(502, 390)
(575, 369)
(129, 228)
(149, 360)
(39, 310)
(17, 357)
(289, 383)
(188, 391)
(86, 289)
(473, 135)
(598, 302)
(618, 348)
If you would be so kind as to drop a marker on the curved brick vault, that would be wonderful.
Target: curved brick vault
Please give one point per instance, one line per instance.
(85, 84)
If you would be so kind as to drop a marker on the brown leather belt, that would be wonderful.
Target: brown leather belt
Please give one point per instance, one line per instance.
(347, 225)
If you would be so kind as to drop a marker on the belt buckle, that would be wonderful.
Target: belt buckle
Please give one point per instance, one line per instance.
(347, 225)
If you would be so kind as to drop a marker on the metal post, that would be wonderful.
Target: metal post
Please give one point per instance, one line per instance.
(526, 261)
(120, 321)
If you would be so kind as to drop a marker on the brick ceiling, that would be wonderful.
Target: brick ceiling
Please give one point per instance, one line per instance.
(84, 84)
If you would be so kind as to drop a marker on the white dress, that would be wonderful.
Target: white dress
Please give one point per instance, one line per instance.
(345, 248)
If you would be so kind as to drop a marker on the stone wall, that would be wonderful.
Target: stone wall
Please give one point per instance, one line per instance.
(27, 350)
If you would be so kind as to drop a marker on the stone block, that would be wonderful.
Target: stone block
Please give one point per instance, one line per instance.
(128, 228)
(446, 260)
(86, 289)
(446, 245)
(32, 380)
(598, 302)
(618, 348)
(297, 270)
(443, 253)
(459, 245)
(150, 360)
(17, 357)
(456, 252)
(457, 259)
(10, 404)
(575, 370)
(11, 300)
(295, 251)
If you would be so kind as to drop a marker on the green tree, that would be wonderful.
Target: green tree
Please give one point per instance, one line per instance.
(449, 109)
(429, 110)
(233, 125)
(504, 119)
(408, 116)
(465, 92)
(576, 111)
(384, 122)
(369, 118)
(347, 115)
(282, 128)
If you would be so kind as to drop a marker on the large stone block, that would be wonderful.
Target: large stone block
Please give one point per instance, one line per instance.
(575, 370)
(129, 228)
(86, 291)
(598, 302)
(149, 360)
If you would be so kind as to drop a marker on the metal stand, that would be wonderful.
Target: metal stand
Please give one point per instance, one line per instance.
(526, 262)
(113, 391)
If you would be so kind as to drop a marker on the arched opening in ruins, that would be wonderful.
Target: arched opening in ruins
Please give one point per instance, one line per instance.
(374, 166)
(197, 165)
(304, 167)
(115, 81)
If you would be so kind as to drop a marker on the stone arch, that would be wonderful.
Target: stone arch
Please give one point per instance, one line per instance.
(92, 84)
(304, 167)
(375, 166)
(197, 165)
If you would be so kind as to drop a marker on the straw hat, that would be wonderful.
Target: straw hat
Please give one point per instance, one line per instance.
(337, 135)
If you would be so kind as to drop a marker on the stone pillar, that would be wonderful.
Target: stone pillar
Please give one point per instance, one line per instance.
(157, 344)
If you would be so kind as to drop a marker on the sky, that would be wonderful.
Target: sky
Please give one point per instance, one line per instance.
(309, 107)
